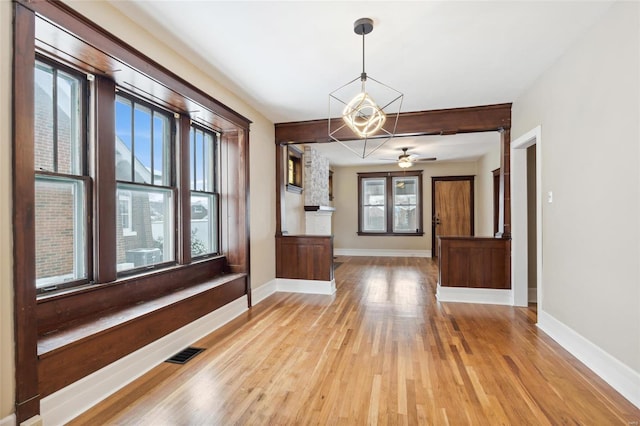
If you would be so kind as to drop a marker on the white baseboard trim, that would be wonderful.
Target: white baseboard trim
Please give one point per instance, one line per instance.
(71, 401)
(533, 295)
(621, 377)
(381, 252)
(10, 420)
(306, 286)
(474, 295)
(264, 291)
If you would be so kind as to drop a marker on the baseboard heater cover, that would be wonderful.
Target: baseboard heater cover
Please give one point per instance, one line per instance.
(185, 355)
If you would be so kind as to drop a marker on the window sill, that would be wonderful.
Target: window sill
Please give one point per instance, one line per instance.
(109, 320)
(294, 188)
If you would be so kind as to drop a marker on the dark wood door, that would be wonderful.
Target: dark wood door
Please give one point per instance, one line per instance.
(452, 208)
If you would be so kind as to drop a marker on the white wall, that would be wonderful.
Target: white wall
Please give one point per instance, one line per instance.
(262, 160)
(345, 218)
(294, 221)
(6, 259)
(587, 104)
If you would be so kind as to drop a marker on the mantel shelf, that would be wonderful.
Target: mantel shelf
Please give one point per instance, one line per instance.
(319, 209)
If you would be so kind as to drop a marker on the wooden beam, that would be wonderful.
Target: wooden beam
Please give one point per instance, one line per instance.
(485, 118)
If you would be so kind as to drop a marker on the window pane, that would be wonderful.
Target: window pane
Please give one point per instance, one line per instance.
(161, 147)
(405, 191)
(374, 219)
(192, 156)
(60, 220)
(69, 126)
(404, 219)
(143, 137)
(209, 167)
(204, 235)
(202, 152)
(43, 117)
(124, 139)
(373, 192)
(142, 144)
(149, 239)
(57, 121)
(405, 199)
(199, 158)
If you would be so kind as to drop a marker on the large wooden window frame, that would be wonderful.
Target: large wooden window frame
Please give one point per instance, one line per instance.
(54, 31)
(80, 176)
(389, 205)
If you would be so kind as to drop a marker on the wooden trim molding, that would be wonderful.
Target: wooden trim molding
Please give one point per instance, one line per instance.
(24, 271)
(105, 173)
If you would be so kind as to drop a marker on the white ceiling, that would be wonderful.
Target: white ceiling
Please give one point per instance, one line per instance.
(285, 57)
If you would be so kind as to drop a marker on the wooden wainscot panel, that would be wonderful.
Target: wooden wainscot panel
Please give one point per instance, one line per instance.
(475, 262)
(305, 257)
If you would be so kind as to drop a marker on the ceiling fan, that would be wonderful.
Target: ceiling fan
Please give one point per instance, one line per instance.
(406, 160)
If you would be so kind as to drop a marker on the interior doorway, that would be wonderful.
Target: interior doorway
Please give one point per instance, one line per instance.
(526, 219)
(452, 207)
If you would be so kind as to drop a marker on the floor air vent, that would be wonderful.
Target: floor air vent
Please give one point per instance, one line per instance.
(185, 355)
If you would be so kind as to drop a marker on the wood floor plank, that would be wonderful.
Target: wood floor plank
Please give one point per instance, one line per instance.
(381, 351)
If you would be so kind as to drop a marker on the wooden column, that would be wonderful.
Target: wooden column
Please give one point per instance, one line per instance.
(27, 398)
(105, 173)
(504, 218)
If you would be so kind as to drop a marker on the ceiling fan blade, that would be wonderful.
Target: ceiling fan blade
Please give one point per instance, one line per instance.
(417, 160)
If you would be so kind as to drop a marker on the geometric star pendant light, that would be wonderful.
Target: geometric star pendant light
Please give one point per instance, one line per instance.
(368, 109)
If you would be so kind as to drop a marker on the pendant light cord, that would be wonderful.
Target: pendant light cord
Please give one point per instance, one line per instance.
(363, 76)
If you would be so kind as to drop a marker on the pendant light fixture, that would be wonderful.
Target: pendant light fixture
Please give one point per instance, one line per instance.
(368, 109)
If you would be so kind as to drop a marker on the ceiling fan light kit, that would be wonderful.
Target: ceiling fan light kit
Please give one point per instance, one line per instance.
(368, 108)
(406, 160)
(405, 163)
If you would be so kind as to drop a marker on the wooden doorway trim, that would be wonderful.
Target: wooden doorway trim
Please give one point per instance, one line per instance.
(434, 180)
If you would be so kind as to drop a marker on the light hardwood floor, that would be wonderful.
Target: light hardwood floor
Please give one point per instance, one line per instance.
(382, 351)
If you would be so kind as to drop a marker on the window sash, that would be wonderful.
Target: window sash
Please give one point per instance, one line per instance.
(60, 138)
(405, 206)
(204, 224)
(52, 229)
(374, 209)
(203, 155)
(143, 142)
(150, 242)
